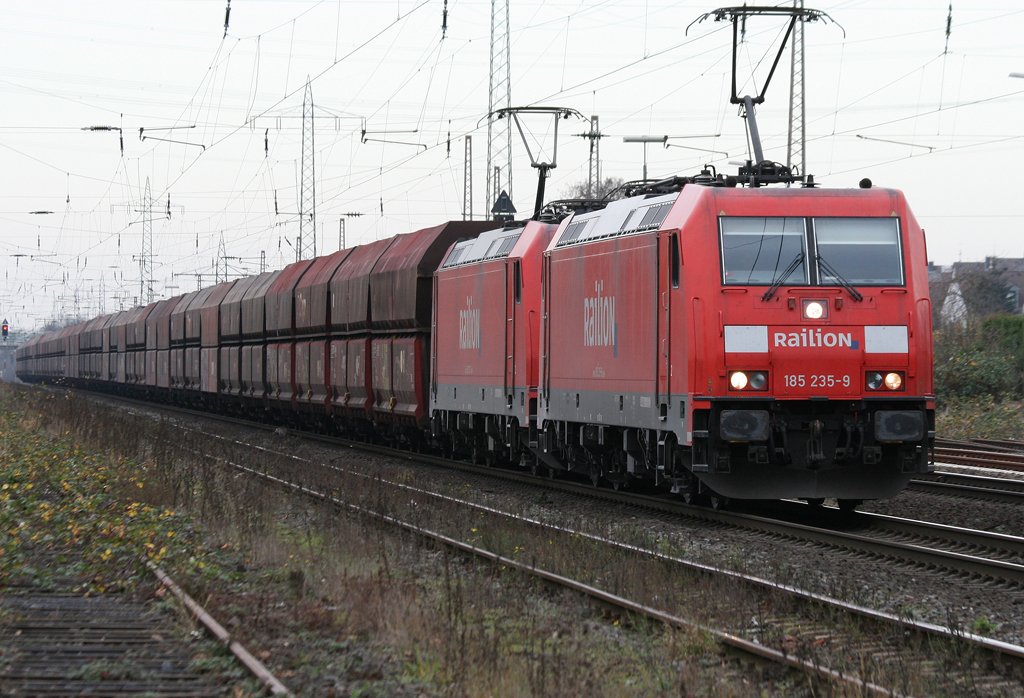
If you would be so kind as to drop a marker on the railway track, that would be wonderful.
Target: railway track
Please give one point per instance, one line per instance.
(994, 557)
(986, 453)
(1005, 445)
(991, 489)
(789, 626)
(67, 644)
(988, 558)
(59, 644)
(991, 557)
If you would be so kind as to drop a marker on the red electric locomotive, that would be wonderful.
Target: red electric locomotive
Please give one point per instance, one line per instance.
(486, 329)
(759, 343)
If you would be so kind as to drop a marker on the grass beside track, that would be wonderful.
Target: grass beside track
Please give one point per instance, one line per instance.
(979, 418)
(334, 605)
(74, 522)
(80, 521)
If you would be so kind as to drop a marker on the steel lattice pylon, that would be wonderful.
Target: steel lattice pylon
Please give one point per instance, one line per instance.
(467, 182)
(594, 177)
(146, 261)
(499, 131)
(306, 247)
(796, 155)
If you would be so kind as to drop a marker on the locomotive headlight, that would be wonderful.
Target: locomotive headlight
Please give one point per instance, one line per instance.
(890, 380)
(893, 381)
(748, 380)
(738, 380)
(815, 310)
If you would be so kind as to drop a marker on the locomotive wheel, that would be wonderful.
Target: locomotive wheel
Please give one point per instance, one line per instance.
(718, 501)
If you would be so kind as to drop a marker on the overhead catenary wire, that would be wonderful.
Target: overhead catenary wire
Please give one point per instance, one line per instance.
(244, 189)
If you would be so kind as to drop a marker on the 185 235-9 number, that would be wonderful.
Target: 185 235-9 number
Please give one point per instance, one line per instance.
(816, 380)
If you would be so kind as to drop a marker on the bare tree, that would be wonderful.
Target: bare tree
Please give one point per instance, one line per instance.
(602, 189)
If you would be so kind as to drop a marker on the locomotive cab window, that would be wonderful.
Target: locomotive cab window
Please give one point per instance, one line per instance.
(675, 261)
(760, 251)
(863, 251)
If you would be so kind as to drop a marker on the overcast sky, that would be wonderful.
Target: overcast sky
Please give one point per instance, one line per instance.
(892, 99)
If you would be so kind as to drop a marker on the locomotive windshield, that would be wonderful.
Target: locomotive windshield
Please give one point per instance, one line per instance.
(759, 250)
(863, 251)
(772, 251)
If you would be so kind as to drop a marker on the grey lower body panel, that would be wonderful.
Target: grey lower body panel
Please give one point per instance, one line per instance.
(484, 400)
(627, 410)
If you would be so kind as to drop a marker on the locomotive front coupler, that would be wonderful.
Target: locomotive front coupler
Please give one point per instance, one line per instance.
(815, 450)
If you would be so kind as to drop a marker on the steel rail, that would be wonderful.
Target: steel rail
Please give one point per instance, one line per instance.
(255, 666)
(1001, 445)
(1004, 460)
(990, 489)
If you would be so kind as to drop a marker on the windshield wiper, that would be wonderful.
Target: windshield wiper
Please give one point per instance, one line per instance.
(777, 283)
(830, 270)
